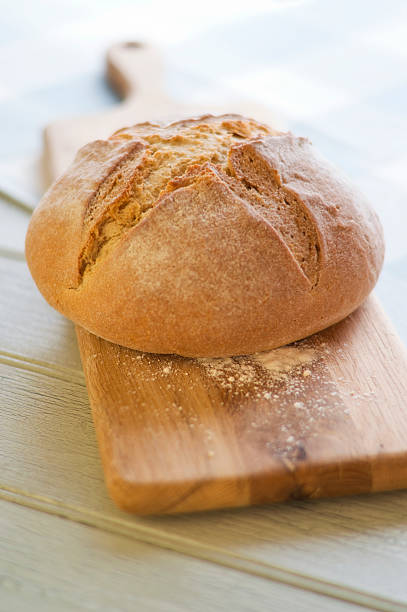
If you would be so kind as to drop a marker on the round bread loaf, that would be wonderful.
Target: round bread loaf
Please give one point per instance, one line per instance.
(207, 237)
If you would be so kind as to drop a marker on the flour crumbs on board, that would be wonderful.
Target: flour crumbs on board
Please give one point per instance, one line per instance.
(261, 369)
(285, 420)
(237, 371)
(285, 392)
(284, 359)
(280, 399)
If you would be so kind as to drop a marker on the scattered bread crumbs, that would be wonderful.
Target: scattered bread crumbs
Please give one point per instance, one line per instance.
(282, 400)
(250, 372)
(284, 359)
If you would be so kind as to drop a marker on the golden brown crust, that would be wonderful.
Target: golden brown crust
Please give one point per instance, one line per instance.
(212, 236)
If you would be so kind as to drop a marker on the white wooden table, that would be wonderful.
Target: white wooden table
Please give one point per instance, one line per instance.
(63, 544)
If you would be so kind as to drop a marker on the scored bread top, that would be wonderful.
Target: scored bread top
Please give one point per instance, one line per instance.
(211, 236)
(152, 156)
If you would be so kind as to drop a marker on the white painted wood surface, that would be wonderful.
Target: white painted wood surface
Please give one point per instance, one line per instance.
(13, 226)
(55, 565)
(353, 549)
(28, 327)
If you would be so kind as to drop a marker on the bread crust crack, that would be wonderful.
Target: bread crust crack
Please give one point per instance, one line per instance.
(279, 204)
(161, 155)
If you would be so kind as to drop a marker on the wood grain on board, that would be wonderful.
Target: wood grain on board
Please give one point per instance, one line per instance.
(179, 434)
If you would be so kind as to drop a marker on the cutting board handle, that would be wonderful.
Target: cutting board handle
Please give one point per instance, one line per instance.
(135, 69)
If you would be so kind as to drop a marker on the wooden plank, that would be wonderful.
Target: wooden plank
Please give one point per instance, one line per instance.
(87, 570)
(322, 436)
(352, 548)
(51, 340)
(30, 328)
(175, 439)
(13, 227)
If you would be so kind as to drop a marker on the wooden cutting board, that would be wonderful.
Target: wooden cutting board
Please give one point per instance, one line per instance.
(324, 417)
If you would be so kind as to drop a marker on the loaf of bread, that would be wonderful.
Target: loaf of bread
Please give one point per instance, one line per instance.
(212, 236)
